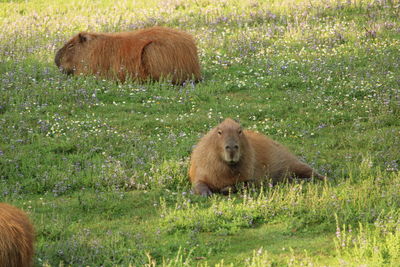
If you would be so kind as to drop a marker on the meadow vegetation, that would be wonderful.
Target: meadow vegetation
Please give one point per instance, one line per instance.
(101, 166)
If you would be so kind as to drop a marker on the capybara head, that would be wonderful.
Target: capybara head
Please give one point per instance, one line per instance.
(231, 141)
(69, 56)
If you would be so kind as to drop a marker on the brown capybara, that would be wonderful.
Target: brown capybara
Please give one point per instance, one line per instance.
(227, 154)
(153, 53)
(16, 237)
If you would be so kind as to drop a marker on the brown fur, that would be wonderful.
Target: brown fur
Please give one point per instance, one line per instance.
(227, 155)
(152, 53)
(16, 237)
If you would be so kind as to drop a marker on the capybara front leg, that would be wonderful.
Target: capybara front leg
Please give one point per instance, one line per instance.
(302, 170)
(202, 188)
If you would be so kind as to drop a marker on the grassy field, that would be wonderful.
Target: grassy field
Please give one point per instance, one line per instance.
(101, 167)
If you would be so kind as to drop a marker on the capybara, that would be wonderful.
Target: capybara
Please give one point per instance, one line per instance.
(16, 237)
(153, 53)
(227, 154)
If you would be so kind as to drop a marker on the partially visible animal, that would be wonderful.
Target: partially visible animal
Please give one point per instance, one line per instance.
(16, 237)
(153, 53)
(227, 154)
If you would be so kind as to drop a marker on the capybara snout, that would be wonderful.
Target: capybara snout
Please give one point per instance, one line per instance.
(57, 58)
(63, 66)
(232, 151)
(230, 140)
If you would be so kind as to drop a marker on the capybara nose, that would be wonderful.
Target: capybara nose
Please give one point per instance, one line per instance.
(57, 59)
(231, 147)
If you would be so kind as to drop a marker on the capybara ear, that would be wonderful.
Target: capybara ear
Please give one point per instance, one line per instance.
(144, 44)
(84, 37)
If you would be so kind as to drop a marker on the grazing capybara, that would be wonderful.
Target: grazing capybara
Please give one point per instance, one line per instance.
(16, 237)
(153, 53)
(227, 154)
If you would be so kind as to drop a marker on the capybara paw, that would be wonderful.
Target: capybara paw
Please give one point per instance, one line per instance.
(324, 178)
(321, 177)
(202, 189)
(206, 192)
(227, 190)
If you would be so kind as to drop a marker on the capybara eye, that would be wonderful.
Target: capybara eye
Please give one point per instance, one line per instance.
(70, 46)
(219, 132)
(240, 132)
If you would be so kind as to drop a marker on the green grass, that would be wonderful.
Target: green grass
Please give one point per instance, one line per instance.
(101, 167)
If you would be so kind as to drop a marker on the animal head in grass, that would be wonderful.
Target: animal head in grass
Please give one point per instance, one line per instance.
(230, 141)
(154, 53)
(16, 237)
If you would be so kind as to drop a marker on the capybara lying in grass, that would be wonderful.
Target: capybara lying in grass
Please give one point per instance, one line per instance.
(152, 53)
(16, 237)
(227, 155)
